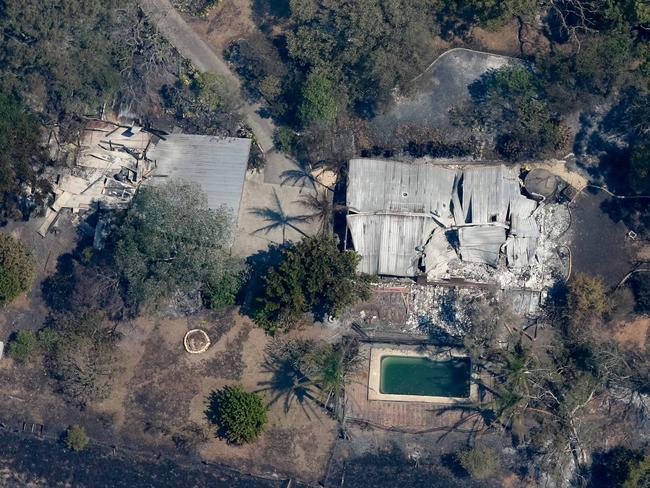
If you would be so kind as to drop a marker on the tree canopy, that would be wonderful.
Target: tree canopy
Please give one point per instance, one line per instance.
(61, 56)
(312, 275)
(23, 346)
(240, 415)
(170, 241)
(375, 45)
(586, 301)
(21, 158)
(320, 99)
(490, 13)
(17, 270)
(76, 438)
(510, 101)
(79, 348)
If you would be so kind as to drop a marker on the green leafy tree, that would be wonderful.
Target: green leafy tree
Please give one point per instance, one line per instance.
(509, 101)
(601, 62)
(320, 99)
(40, 40)
(621, 467)
(76, 438)
(491, 13)
(639, 175)
(199, 8)
(313, 275)
(170, 241)
(639, 476)
(81, 354)
(23, 346)
(375, 45)
(20, 149)
(222, 291)
(573, 80)
(240, 415)
(17, 270)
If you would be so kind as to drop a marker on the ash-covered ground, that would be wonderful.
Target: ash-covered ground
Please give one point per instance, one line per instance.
(441, 307)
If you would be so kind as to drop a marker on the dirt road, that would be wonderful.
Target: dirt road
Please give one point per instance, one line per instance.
(173, 27)
(261, 191)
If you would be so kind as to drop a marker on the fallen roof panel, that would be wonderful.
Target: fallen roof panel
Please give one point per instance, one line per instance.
(390, 244)
(481, 244)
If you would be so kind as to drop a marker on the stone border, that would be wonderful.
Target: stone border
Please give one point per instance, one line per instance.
(435, 353)
(202, 349)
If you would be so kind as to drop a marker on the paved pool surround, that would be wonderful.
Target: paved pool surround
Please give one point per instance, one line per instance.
(433, 353)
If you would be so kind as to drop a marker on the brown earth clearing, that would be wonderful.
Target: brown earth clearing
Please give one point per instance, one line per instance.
(633, 334)
(160, 395)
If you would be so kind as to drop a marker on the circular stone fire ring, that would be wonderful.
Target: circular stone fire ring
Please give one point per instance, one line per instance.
(196, 341)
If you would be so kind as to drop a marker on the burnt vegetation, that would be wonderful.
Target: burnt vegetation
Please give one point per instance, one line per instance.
(323, 70)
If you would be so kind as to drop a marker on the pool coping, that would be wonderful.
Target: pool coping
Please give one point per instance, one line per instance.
(435, 353)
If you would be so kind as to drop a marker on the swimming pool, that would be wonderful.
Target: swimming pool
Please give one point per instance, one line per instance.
(408, 375)
(414, 374)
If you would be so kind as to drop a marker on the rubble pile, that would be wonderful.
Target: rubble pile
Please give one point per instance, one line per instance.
(552, 257)
(110, 165)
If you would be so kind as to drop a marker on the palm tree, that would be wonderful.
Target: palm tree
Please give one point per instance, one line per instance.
(322, 208)
(284, 358)
(278, 218)
(329, 367)
(288, 382)
(304, 372)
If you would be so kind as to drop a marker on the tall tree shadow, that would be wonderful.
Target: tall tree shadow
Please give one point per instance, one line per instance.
(303, 175)
(278, 218)
(289, 385)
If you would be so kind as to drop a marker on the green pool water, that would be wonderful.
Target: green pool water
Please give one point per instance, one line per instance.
(407, 375)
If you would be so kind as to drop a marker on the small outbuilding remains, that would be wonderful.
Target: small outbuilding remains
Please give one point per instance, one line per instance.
(113, 160)
(406, 219)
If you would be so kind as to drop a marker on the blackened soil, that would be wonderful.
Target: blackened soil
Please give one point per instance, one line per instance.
(27, 460)
(599, 244)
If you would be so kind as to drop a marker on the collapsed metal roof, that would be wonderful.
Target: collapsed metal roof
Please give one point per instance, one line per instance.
(403, 216)
(387, 186)
(217, 164)
(388, 242)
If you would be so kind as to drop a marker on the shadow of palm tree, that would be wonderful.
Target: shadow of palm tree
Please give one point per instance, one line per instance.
(278, 218)
(303, 174)
(288, 384)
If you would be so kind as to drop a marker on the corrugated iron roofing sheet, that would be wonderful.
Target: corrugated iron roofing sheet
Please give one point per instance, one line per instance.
(392, 198)
(487, 192)
(218, 164)
(377, 185)
(481, 244)
(390, 244)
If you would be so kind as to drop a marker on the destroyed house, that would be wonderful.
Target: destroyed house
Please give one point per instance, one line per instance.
(406, 219)
(114, 160)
